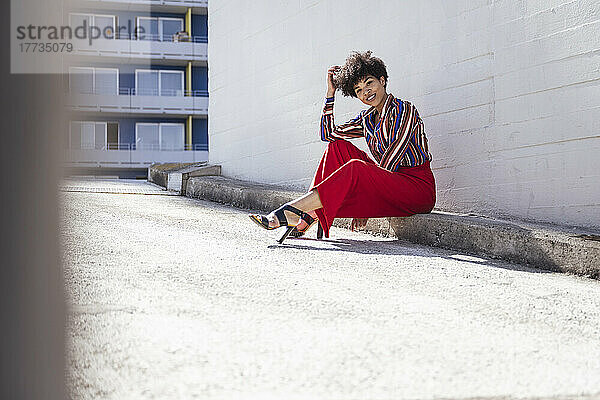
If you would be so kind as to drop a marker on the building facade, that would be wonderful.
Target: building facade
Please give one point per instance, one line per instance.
(508, 92)
(138, 93)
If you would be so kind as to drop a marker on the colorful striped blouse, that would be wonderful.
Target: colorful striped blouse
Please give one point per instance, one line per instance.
(396, 140)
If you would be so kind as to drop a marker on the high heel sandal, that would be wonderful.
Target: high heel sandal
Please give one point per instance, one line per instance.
(296, 233)
(279, 213)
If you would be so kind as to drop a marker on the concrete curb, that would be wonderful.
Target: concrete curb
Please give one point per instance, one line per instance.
(545, 247)
(173, 176)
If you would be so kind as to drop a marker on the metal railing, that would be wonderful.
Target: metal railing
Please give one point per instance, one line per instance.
(108, 91)
(163, 92)
(161, 38)
(155, 47)
(125, 155)
(141, 147)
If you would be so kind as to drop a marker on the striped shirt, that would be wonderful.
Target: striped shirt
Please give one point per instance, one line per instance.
(396, 140)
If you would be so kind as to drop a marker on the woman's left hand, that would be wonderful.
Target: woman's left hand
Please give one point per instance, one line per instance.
(358, 223)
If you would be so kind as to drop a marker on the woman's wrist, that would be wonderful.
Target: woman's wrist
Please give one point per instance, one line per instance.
(330, 94)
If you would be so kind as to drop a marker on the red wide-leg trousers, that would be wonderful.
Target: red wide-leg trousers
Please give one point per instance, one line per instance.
(351, 185)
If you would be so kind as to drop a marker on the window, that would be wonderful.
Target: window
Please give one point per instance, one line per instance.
(158, 83)
(158, 28)
(87, 80)
(92, 135)
(106, 23)
(159, 136)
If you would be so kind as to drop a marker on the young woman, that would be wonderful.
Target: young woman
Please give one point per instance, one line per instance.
(348, 183)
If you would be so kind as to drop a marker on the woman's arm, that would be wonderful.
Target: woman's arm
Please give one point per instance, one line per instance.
(329, 131)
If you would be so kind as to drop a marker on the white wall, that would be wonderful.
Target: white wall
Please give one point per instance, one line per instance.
(509, 92)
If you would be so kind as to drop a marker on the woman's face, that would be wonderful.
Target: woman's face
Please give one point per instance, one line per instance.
(371, 91)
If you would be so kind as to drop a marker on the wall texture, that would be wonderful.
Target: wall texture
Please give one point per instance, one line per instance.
(509, 92)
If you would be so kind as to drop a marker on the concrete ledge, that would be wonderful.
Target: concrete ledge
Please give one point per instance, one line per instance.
(158, 173)
(173, 176)
(543, 246)
(206, 170)
(237, 193)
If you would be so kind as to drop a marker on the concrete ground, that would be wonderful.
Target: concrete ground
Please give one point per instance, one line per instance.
(175, 298)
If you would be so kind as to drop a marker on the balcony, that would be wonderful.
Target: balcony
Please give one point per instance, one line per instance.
(128, 156)
(127, 47)
(142, 102)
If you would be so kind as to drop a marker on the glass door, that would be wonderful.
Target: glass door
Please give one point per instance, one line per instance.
(76, 20)
(169, 27)
(88, 136)
(146, 82)
(100, 135)
(171, 83)
(81, 80)
(106, 24)
(146, 136)
(106, 81)
(75, 135)
(172, 136)
(112, 136)
(147, 28)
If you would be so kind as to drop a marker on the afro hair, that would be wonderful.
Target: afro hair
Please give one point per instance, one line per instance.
(357, 67)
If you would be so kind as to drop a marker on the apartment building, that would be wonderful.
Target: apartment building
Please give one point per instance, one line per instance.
(137, 92)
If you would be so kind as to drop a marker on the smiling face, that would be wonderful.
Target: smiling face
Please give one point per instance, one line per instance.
(371, 91)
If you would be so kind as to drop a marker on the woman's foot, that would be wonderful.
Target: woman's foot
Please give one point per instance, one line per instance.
(302, 226)
(292, 219)
(287, 215)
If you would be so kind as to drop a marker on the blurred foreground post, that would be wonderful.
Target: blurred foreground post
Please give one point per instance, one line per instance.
(32, 304)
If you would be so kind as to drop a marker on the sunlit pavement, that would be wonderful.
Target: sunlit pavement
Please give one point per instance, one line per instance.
(174, 298)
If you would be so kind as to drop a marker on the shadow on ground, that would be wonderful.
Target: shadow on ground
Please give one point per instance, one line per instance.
(397, 247)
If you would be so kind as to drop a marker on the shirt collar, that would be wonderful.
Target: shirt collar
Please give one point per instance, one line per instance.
(389, 101)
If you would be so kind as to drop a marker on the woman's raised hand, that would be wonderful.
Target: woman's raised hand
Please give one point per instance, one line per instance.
(330, 85)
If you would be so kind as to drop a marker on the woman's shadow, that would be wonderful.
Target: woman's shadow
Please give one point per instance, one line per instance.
(400, 248)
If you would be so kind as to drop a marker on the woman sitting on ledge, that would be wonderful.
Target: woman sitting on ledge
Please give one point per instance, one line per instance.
(348, 183)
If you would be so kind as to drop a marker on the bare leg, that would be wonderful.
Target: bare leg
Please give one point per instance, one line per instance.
(307, 203)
